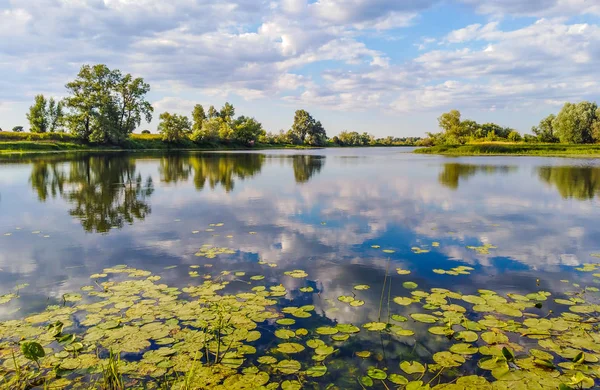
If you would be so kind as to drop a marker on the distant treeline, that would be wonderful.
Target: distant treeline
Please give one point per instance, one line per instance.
(576, 123)
(105, 106)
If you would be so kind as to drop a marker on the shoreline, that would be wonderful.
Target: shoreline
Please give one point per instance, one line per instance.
(517, 149)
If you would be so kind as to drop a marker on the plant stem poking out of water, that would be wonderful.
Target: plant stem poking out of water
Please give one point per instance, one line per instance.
(113, 380)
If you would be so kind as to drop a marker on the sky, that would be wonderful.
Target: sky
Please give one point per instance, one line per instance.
(387, 67)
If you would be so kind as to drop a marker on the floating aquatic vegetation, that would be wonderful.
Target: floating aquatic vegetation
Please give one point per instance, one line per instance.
(211, 252)
(417, 250)
(297, 273)
(389, 251)
(362, 287)
(133, 331)
(375, 246)
(482, 250)
(401, 271)
(460, 270)
(435, 244)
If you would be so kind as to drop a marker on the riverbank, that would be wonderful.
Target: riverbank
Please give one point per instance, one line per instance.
(11, 143)
(516, 149)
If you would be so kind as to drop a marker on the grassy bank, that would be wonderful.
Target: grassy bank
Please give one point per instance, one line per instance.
(55, 142)
(517, 149)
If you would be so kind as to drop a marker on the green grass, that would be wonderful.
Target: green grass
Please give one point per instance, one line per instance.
(11, 143)
(518, 149)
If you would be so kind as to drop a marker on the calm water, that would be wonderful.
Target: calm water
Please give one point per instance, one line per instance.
(63, 218)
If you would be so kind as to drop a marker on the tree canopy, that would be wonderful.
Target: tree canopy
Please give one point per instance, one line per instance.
(307, 130)
(174, 127)
(105, 106)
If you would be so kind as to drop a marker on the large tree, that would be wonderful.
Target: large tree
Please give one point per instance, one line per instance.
(106, 106)
(37, 115)
(173, 127)
(574, 122)
(247, 129)
(307, 130)
(450, 123)
(227, 112)
(198, 117)
(45, 115)
(545, 130)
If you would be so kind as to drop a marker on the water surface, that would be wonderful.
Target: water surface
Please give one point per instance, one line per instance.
(64, 217)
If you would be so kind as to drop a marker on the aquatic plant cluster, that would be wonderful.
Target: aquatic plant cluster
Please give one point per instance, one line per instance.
(129, 330)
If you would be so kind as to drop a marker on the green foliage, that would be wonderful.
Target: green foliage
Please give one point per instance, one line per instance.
(545, 130)
(32, 350)
(173, 127)
(514, 136)
(106, 106)
(307, 130)
(45, 115)
(247, 129)
(354, 139)
(37, 115)
(458, 132)
(575, 123)
(146, 132)
(17, 129)
(198, 118)
(515, 149)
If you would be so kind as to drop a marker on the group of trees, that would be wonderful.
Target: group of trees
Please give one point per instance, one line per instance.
(211, 126)
(106, 106)
(102, 106)
(576, 123)
(305, 131)
(456, 131)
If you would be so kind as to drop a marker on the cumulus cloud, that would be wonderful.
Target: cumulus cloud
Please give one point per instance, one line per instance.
(328, 53)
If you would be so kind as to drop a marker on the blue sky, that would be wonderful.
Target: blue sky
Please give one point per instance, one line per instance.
(388, 67)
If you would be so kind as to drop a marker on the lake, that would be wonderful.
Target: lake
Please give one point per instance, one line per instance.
(354, 229)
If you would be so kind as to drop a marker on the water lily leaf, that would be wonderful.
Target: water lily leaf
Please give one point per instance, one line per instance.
(288, 366)
(298, 274)
(267, 360)
(347, 328)
(340, 337)
(467, 335)
(412, 367)
(316, 371)
(326, 330)
(324, 350)
(366, 381)
(345, 298)
(377, 374)
(397, 379)
(401, 271)
(291, 385)
(315, 343)
(425, 318)
(362, 287)
(447, 359)
(399, 318)
(290, 348)
(403, 301)
(286, 321)
(441, 330)
(284, 334)
(363, 354)
(307, 289)
(410, 285)
(32, 350)
(375, 326)
(388, 251)
(464, 349)
(494, 338)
